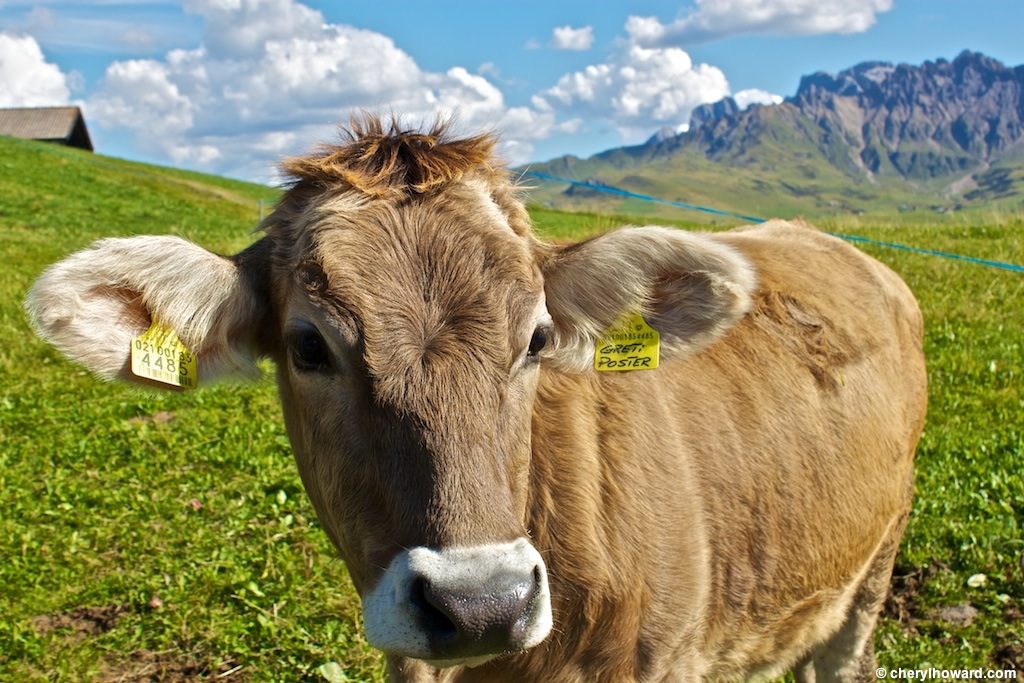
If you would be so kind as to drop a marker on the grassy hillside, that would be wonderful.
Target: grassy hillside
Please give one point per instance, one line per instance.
(166, 536)
(778, 166)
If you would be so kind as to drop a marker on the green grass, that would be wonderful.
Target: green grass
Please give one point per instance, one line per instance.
(133, 544)
(195, 533)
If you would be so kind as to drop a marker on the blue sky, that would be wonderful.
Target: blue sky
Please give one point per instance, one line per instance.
(228, 86)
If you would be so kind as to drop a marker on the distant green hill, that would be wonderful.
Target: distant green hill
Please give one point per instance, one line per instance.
(874, 139)
(57, 199)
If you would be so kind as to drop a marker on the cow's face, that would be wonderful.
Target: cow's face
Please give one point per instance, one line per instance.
(411, 338)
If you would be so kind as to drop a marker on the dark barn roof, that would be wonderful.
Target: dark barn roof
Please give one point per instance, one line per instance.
(63, 125)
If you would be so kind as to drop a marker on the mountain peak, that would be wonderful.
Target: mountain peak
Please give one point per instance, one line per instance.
(968, 57)
(706, 113)
(662, 135)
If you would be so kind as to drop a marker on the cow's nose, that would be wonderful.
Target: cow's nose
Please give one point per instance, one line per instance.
(470, 619)
(460, 605)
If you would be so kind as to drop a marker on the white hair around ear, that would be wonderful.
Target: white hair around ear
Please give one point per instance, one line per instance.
(689, 286)
(94, 302)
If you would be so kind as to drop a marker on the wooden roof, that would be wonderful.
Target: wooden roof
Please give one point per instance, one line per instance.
(65, 125)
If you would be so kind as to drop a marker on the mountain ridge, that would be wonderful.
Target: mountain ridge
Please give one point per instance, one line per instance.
(941, 135)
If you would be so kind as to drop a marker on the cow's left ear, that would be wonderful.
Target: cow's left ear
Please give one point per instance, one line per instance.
(95, 302)
(690, 287)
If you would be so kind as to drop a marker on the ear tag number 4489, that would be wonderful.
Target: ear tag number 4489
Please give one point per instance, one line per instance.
(159, 355)
(630, 345)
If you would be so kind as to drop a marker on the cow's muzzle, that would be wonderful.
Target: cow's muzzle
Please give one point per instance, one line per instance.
(460, 605)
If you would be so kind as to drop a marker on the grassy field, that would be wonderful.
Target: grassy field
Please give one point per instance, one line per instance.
(166, 536)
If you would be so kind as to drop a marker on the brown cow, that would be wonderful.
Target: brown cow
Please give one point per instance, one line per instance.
(507, 512)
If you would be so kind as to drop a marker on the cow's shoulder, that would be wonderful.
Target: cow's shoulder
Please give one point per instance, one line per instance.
(816, 281)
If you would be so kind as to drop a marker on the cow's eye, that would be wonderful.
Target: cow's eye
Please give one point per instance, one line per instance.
(308, 349)
(537, 342)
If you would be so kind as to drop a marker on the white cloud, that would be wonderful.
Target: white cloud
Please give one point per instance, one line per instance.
(713, 19)
(241, 28)
(569, 38)
(745, 98)
(638, 90)
(271, 77)
(26, 78)
(140, 93)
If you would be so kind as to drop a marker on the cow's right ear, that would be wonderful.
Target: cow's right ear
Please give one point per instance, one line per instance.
(95, 302)
(690, 287)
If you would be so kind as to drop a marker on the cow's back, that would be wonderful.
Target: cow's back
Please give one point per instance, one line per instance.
(728, 503)
(826, 390)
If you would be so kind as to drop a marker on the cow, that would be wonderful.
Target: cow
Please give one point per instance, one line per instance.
(508, 512)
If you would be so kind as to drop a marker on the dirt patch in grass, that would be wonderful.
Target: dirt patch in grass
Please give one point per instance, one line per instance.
(168, 666)
(904, 606)
(1009, 656)
(140, 666)
(962, 615)
(213, 190)
(81, 621)
(158, 418)
(904, 602)
(1013, 614)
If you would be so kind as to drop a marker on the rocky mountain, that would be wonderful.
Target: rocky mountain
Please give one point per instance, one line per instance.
(940, 134)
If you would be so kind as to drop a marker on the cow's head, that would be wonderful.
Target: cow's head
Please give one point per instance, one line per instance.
(409, 310)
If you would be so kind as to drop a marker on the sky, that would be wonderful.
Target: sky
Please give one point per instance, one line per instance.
(230, 86)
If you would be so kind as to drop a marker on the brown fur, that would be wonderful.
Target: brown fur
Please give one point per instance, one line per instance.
(734, 513)
(389, 162)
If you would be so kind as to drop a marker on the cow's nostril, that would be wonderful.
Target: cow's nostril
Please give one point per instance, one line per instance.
(434, 619)
(474, 618)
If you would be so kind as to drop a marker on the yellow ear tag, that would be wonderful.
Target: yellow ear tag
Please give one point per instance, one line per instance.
(159, 355)
(630, 345)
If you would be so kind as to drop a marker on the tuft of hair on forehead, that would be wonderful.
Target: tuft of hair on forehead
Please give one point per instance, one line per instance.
(388, 161)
